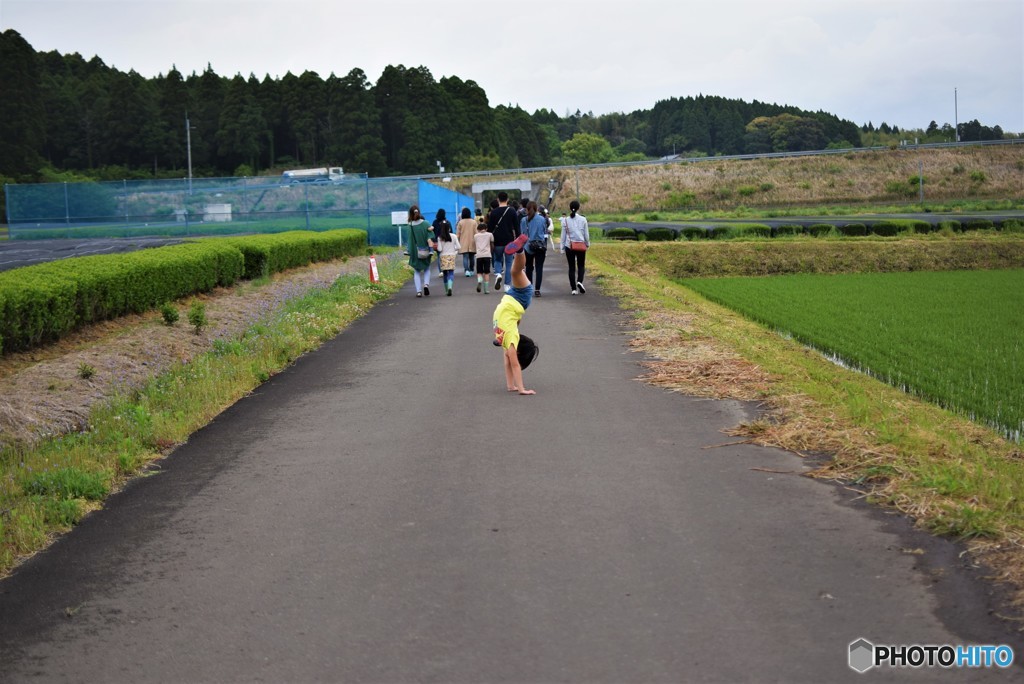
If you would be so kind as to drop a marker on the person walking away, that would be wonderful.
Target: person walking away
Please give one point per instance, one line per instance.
(518, 349)
(447, 250)
(551, 226)
(535, 226)
(484, 242)
(574, 244)
(504, 226)
(465, 229)
(420, 250)
(440, 219)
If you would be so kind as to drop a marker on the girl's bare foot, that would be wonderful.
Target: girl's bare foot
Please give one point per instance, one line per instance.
(526, 391)
(513, 389)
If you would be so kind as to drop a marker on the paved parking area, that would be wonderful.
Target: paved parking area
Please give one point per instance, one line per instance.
(17, 253)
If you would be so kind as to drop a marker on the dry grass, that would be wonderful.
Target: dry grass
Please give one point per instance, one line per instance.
(851, 178)
(876, 438)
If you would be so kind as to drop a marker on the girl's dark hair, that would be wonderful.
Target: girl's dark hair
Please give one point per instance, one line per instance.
(442, 228)
(440, 214)
(526, 351)
(531, 210)
(414, 213)
(466, 213)
(574, 206)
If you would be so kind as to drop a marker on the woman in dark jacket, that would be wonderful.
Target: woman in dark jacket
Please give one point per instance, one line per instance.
(420, 241)
(535, 225)
(440, 220)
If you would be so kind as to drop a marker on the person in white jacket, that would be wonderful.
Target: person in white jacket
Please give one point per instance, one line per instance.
(574, 244)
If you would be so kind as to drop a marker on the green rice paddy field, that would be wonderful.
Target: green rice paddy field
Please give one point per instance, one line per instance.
(953, 337)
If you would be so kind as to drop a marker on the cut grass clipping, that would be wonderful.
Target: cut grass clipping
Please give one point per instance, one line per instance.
(953, 476)
(47, 489)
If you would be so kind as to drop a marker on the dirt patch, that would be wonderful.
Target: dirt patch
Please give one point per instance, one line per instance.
(43, 393)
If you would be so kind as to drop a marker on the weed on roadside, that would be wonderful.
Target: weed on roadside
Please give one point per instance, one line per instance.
(954, 477)
(47, 487)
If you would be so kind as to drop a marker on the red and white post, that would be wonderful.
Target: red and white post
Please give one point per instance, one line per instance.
(374, 275)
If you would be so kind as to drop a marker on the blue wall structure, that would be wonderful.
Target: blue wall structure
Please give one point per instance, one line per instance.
(433, 197)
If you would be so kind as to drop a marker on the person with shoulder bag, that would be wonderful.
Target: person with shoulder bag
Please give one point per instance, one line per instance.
(535, 227)
(574, 244)
(420, 250)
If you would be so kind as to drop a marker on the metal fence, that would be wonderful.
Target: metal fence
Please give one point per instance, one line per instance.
(219, 206)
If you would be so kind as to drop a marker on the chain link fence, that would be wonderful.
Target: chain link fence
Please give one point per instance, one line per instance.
(220, 206)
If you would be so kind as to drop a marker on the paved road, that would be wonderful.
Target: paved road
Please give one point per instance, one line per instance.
(17, 253)
(384, 511)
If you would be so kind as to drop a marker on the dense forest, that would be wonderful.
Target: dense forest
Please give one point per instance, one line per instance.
(68, 118)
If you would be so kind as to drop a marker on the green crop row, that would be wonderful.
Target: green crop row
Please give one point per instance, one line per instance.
(43, 303)
(952, 337)
(266, 254)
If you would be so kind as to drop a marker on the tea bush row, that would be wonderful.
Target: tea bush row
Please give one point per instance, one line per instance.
(43, 303)
(266, 254)
(886, 228)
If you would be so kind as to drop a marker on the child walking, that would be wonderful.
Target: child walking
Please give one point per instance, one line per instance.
(447, 250)
(519, 350)
(484, 246)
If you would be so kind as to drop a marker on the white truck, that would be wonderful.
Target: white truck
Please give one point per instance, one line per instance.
(322, 175)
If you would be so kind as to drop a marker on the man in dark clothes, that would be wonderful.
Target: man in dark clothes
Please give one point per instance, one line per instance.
(503, 223)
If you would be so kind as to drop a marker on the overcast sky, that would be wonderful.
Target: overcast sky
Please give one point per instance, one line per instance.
(897, 61)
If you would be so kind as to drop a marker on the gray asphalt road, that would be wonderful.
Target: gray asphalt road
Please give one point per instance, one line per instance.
(384, 511)
(17, 253)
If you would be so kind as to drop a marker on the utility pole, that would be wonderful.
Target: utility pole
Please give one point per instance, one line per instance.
(956, 117)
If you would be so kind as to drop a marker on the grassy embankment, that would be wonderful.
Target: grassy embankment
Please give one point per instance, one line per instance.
(950, 474)
(955, 179)
(47, 488)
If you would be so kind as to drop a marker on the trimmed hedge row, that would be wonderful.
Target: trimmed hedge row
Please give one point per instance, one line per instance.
(621, 234)
(43, 303)
(708, 259)
(885, 228)
(266, 254)
(661, 234)
(40, 304)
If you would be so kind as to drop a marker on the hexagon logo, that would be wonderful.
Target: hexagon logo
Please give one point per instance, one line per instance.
(862, 655)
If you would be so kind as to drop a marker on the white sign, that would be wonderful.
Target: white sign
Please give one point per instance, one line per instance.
(399, 218)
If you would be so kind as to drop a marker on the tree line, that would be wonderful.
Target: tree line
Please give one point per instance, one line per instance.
(68, 118)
